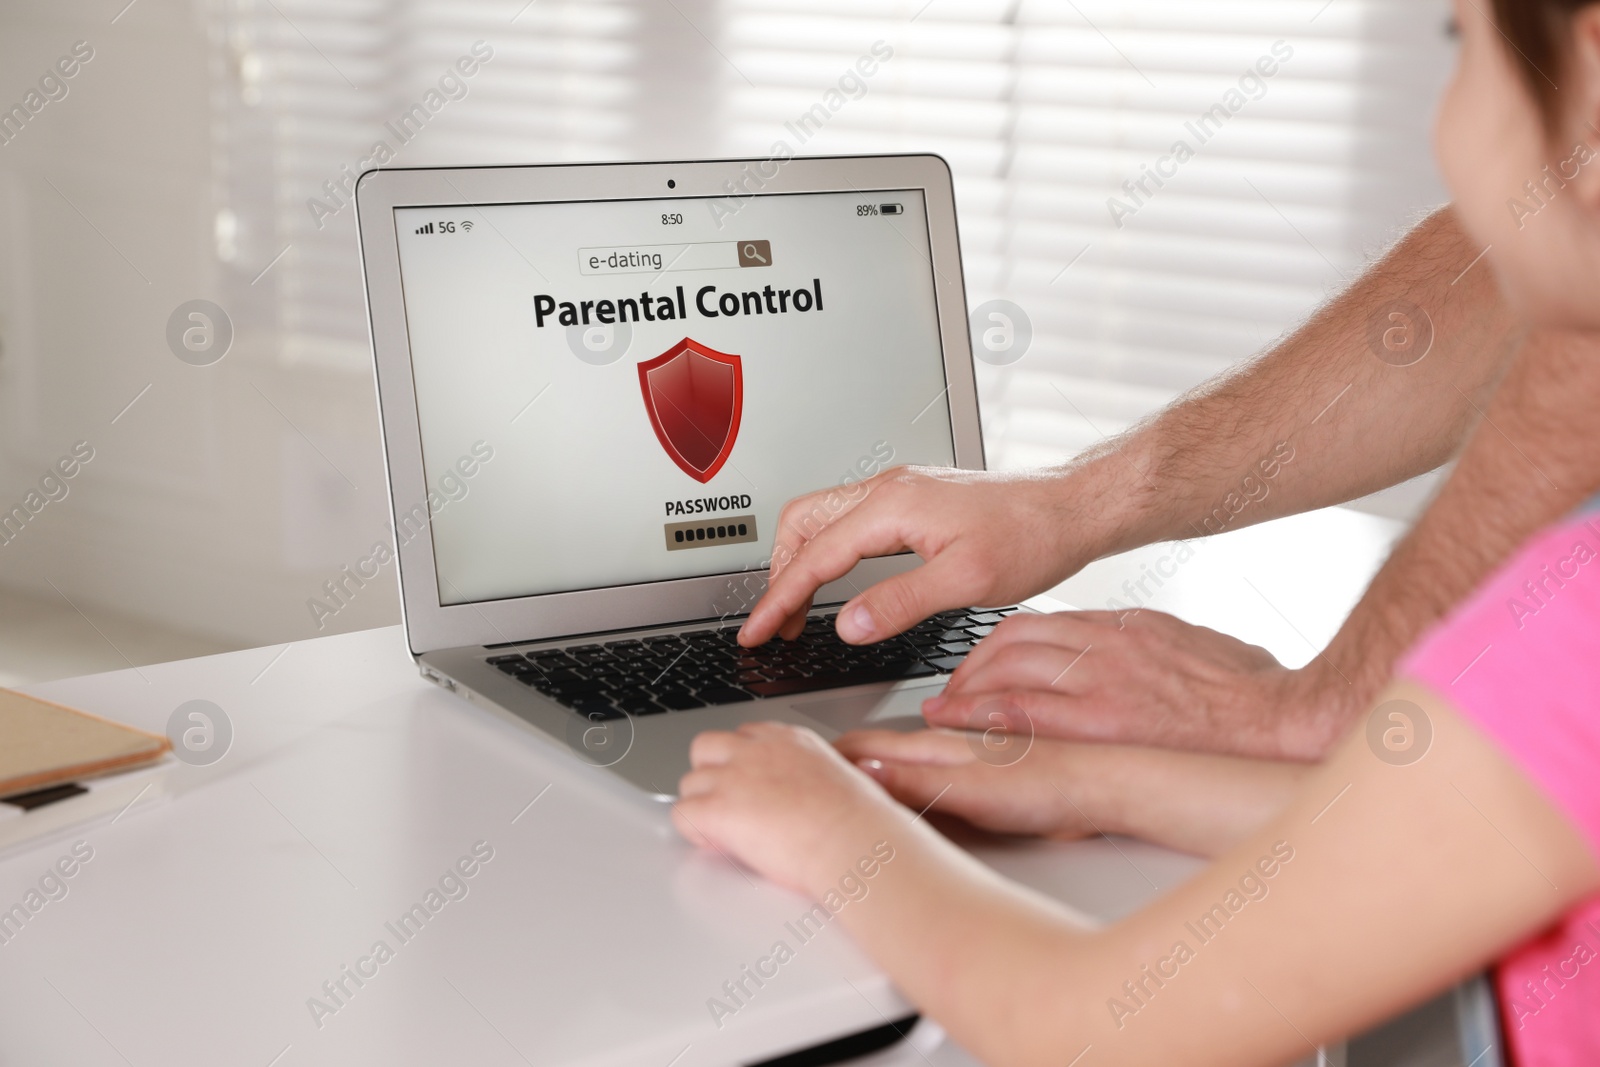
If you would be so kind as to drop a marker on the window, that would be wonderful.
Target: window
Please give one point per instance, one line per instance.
(323, 91)
(1045, 109)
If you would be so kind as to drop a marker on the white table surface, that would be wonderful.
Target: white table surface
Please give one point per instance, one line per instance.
(207, 919)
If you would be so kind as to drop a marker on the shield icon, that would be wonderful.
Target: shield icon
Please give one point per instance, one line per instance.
(694, 396)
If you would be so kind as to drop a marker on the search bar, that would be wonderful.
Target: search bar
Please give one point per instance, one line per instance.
(658, 259)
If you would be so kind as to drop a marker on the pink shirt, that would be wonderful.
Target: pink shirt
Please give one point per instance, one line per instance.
(1521, 659)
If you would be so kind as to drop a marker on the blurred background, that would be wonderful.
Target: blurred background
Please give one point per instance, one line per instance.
(200, 152)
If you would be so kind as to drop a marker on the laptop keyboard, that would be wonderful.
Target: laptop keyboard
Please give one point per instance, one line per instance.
(678, 672)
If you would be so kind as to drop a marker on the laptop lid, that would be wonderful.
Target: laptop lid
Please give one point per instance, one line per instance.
(599, 384)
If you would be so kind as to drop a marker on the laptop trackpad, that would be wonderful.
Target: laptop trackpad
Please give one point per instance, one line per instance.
(897, 709)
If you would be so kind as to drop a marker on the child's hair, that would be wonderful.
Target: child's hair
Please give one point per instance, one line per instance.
(1537, 31)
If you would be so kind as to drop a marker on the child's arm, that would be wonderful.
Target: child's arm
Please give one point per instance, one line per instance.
(1377, 886)
(1185, 800)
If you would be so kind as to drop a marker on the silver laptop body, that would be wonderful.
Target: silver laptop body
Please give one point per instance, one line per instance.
(598, 386)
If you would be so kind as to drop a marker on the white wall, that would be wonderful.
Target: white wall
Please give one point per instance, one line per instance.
(109, 205)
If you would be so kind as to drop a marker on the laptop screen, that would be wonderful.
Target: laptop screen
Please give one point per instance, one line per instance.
(627, 391)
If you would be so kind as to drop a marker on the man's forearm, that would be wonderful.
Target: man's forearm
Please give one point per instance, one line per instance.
(1533, 456)
(1349, 420)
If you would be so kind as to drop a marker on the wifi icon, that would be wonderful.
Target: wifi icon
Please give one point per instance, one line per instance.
(466, 224)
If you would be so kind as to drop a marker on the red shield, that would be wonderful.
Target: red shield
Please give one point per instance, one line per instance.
(694, 396)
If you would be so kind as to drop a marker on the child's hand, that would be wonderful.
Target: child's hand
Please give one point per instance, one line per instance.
(1021, 791)
(781, 800)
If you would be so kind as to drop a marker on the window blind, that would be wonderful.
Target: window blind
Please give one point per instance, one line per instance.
(1045, 109)
(327, 89)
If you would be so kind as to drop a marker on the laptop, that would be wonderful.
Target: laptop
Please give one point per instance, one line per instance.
(599, 384)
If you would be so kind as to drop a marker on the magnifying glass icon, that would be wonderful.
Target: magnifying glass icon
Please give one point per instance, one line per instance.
(755, 252)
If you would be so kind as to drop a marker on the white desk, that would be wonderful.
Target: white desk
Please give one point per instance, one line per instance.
(205, 921)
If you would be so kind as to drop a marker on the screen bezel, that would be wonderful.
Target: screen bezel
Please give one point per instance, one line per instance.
(430, 625)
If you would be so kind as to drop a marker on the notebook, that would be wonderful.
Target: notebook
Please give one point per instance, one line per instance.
(43, 744)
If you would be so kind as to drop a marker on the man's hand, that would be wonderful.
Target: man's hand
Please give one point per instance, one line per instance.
(984, 538)
(989, 539)
(1140, 677)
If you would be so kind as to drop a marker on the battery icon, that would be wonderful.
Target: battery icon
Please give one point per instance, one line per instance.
(891, 209)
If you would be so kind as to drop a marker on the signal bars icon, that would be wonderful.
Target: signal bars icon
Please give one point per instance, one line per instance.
(425, 229)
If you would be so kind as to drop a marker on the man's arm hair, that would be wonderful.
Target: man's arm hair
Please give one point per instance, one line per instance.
(1352, 420)
(1533, 456)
